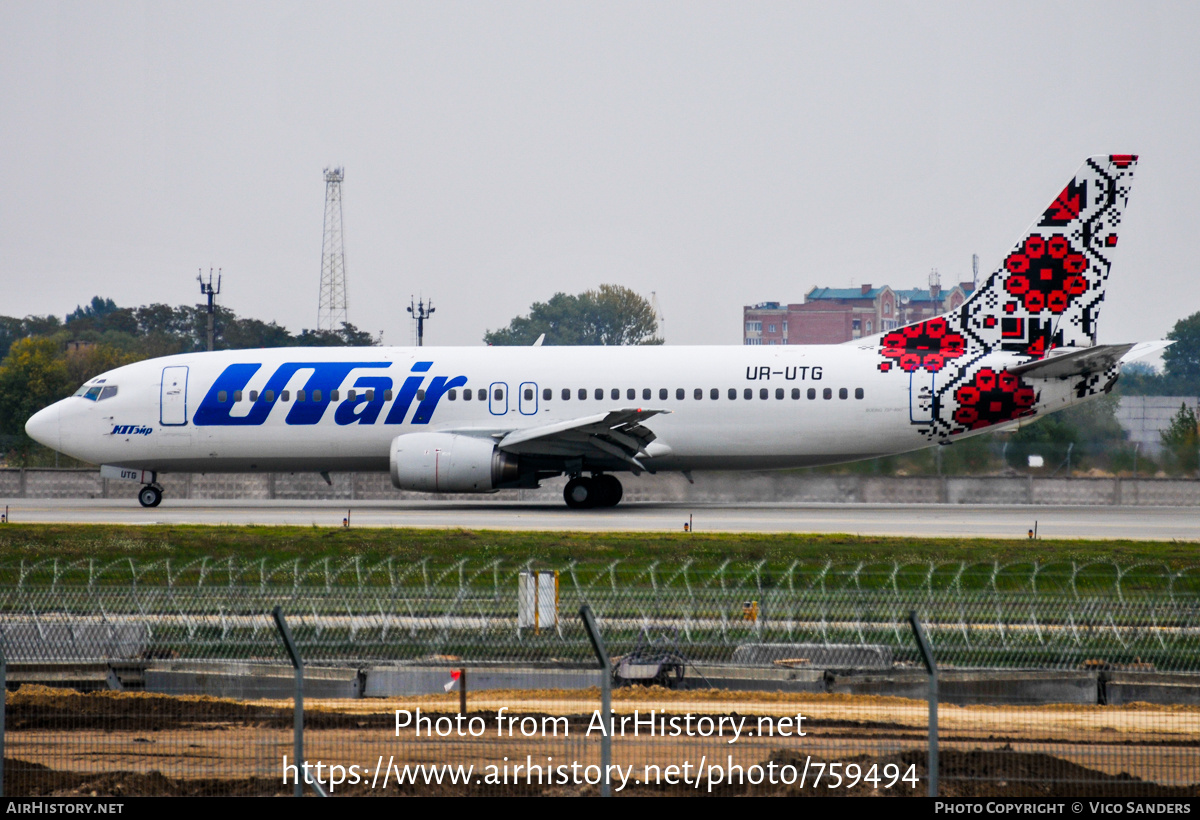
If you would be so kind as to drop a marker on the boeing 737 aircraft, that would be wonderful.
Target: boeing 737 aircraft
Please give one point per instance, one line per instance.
(467, 420)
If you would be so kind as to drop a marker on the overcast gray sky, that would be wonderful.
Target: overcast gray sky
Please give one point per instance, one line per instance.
(720, 154)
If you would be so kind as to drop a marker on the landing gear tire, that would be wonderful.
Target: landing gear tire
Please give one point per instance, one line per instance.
(150, 495)
(608, 490)
(580, 493)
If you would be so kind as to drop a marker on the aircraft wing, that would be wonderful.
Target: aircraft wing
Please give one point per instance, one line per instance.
(1077, 362)
(615, 434)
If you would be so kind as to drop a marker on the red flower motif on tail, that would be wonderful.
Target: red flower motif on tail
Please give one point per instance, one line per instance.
(992, 398)
(929, 345)
(1045, 273)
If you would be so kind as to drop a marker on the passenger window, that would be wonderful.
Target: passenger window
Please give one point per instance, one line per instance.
(662, 394)
(714, 394)
(732, 393)
(467, 394)
(237, 395)
(547, 394)
(631, 394)
(222, 396)
(795, 392)
(299, 395)
(387, 395)
(452, 394)
(843, 393)
(350, 395)
(583, 394)
(333, 395)
(812, 393)
(420, 395)
(615, 394)
(285, 395)
(254, 395)
(779, 392)
(599, 394)
(371, 394)
(528, 394)
(645, 394)
(698, 394)
(679, 394)
(316, 395)
(762, 392)
(827, 393)
(858, 392)
(566, 394)
(497, 394)
(108, 392)
(481, 394)
(268, 395)
(747, 393)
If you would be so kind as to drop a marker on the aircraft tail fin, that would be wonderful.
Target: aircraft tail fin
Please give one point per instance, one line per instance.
(1048, 290)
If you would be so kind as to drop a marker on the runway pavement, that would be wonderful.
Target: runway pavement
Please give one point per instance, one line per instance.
(1145, 523)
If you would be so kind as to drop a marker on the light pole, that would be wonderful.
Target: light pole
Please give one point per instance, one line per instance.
(207, 289)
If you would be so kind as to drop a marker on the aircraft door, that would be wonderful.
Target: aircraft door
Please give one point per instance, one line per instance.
(498, 398)
(527, 401)
(922, 396)
(172, 409)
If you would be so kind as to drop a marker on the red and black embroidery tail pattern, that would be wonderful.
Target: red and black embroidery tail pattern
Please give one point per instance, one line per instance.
(1046, 293)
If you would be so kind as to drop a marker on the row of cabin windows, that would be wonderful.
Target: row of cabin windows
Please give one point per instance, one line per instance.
(664, 394)
(286, 395)
(548, 394)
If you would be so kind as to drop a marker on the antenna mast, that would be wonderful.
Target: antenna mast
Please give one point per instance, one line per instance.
(207, 289)
(420, 311)
(331, 312)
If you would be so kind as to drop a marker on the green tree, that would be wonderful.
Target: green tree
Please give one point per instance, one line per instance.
(1182, 359)
(1181, 440)
(33, 375)
(610, 315)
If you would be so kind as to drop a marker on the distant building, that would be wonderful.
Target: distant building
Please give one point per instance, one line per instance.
(835, 315)
(1145, 418)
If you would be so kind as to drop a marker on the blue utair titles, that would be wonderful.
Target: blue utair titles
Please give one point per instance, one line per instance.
(325, 378)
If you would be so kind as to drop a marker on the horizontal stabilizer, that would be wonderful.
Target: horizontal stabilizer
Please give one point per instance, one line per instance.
(1077, 362)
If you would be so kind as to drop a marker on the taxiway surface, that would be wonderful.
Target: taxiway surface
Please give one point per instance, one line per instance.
(914, 520)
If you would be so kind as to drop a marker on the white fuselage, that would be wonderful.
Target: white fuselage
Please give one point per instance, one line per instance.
(821, 405)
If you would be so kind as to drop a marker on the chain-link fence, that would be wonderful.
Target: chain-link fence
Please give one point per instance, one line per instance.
(480, 678)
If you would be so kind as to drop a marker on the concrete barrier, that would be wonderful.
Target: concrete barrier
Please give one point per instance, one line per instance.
(1150, 687)
(963, 688)
(250, 681)
(814, 655)
(716, 487)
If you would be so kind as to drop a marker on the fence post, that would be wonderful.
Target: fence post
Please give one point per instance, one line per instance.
(593, 633)
(298, 702)
(931, 667)
(3, 707)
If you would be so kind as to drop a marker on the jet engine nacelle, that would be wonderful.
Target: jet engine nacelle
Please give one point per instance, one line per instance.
(446, 463)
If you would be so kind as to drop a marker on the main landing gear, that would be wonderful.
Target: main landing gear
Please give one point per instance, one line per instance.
(598, 491)
(150, 495)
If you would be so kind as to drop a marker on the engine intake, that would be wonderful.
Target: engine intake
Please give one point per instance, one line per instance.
(447, 463)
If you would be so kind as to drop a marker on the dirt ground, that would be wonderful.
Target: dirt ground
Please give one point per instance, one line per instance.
(63, 742)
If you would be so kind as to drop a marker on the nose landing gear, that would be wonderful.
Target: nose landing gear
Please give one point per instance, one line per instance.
(150, 495)
(598, 491)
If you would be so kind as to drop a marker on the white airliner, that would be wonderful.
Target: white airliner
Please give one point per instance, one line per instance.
(482, 419)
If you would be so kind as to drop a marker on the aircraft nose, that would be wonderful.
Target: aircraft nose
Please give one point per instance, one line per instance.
(44, 426)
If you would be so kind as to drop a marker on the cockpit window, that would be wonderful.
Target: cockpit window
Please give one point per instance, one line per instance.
(97, 392)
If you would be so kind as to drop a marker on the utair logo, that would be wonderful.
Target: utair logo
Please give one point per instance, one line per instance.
(131, 430)
(371, 394)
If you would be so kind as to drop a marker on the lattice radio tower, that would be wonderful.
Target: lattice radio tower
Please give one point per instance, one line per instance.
(331, 312)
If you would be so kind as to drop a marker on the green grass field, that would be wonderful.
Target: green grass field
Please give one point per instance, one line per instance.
(276, 544)
(152, 553)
